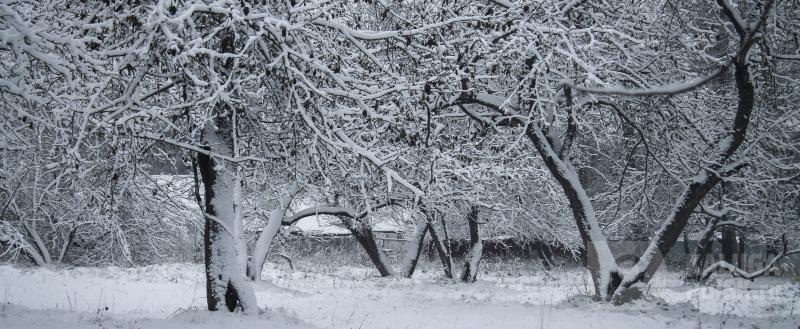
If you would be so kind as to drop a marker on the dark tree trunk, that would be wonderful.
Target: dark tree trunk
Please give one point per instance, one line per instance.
(366, 238)
(740, 258)
(443, 252)
(686, 249)
(473, 256)
(714, 172)
(691, 197)
(578, 201)
(544, 252)
(728, 243)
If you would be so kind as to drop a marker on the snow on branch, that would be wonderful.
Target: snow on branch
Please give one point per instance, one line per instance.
(716, 213)
(738, 272)
(204, 151)
(373, 158)
(314, 211)
(665, 90)
(382, 35)
(334, 211)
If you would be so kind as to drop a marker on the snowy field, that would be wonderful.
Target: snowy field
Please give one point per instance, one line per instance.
(172, 296)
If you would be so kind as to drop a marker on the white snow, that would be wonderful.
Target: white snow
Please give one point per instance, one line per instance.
(321, 225)
(172, 296)
(12, 316)
(324, 224)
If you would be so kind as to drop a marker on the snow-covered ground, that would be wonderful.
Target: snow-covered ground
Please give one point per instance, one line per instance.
(172, 296)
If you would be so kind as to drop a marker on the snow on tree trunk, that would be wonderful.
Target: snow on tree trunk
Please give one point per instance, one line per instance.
(264, 244)
(413, 249)
(600, 260)
(225, 253)
(473, 257)
(32, 254)
(10, 238)
(37, 251)
(225, 280)
(703, 182)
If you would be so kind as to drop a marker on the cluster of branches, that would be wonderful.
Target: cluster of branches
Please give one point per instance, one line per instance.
(489, 116)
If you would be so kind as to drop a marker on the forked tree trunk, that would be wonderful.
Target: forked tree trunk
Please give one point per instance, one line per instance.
(473, 256)
(609, 281)
(33, 255)
(710, 176)
(599, 259)
(439, 243)
(36, 251)
(352, 221)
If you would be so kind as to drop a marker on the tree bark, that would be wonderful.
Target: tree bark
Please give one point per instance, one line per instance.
(741, 260)
(443, 252)
(608, 280)
(226, 282)
(711, 175)
(728, 243)
(599, 259)
(473, 257)
(366, 238)
(42, 256)
(225, 278)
